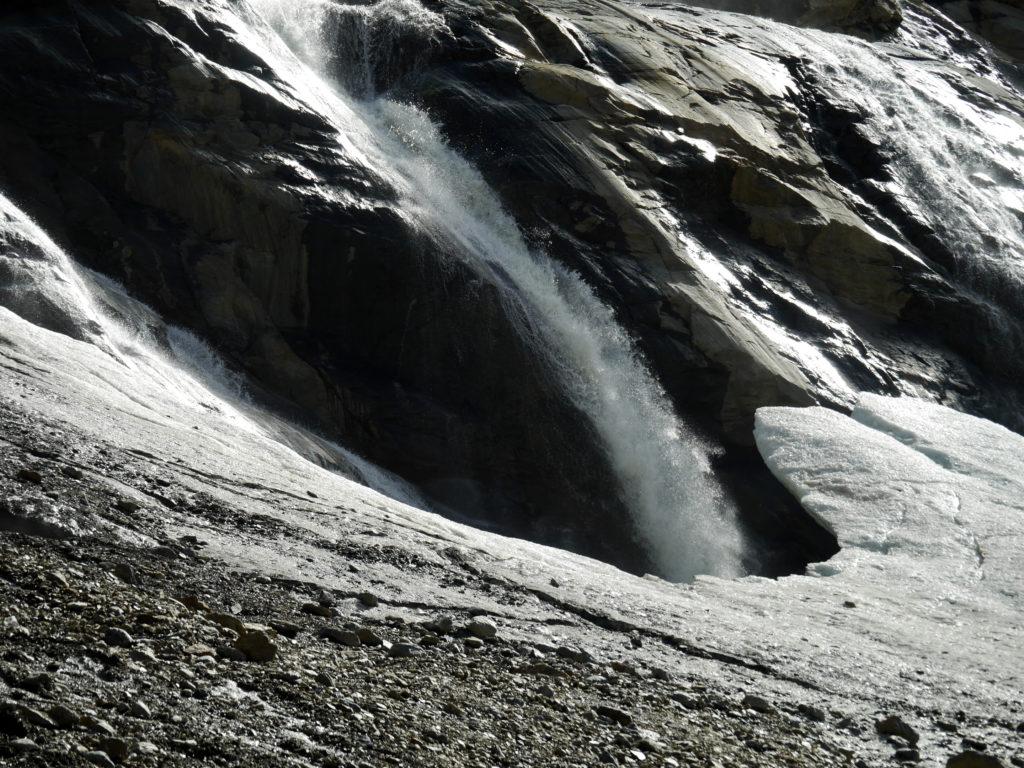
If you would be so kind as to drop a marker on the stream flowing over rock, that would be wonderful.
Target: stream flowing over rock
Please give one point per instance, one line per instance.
(653, 369)
(497, 247)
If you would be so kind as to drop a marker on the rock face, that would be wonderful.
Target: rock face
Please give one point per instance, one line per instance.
(753, 201)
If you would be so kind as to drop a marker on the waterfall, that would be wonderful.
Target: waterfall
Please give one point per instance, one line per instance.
(661, 468)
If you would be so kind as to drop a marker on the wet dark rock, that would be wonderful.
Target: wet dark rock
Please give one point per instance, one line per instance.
(614, 714)
(483, 628)
(812, 713)
(230, 653)
(64, 717)
(257, 646)
(37, 683)
(340, 636)
(973, 759)
(368, 637)
(316, 609)
(118, 638)
(893, 725)
(403, 650)
(99, 758)
(756, 703)
(118, 749)
(30, 475)
(287, 629)
(11, 722)
(368, 599)
(443, 625)
(126, 573)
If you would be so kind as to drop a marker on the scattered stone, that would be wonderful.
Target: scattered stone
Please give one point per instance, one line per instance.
(368, 599)
(368, 637)
(117, 749)
(29, 475)
(325, 679)
(142, 653)
(474, 643)
(483, 628)
(11, 723)
(101, 759)
(199, 649)
(849, 604)
(403, 650)
(973, 744)
(579, 655)
(661, 674)
(193, 603)
(257, 646)
(896, 726)
(97, 725)
(229, 622)
(24, 745)
(72, 472)
(140, 710)
(315, 609)
(64, 717)
(613, 713)
(756, 703)
(118, 638)
(230, 653)
(37, 683)
(344, 637)
(443, 625)
(970, 758)
(688, 701)
(812, 713)
(126, 573)
(907, 755)
(36, 718)
(146, 748)
(287, 629)
(127, 505)
(536, 668)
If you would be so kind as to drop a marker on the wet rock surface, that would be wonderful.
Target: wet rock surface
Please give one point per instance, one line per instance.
(720, 180)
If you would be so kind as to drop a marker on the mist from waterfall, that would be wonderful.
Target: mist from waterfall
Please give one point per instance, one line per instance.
(679, 511)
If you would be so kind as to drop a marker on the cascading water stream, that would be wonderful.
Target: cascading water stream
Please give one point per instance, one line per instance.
(662, 469)
(957, 165)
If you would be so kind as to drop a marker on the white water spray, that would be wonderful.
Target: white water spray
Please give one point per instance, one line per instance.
(661, 468)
